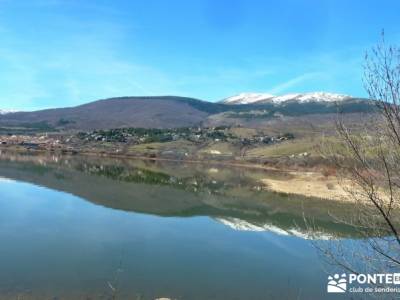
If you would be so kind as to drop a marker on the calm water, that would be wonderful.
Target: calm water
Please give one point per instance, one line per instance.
(78, 228)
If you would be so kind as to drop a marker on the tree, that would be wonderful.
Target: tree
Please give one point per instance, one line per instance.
(369, 164)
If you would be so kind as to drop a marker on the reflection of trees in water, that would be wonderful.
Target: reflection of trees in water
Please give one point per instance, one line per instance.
(196, 183)
(177, 190)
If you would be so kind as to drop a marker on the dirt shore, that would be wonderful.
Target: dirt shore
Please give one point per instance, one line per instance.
(310, 184)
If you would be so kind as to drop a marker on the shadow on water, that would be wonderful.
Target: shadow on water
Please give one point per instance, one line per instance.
(233, 196)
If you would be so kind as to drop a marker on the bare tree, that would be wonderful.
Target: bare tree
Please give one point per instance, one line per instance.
(368, 161)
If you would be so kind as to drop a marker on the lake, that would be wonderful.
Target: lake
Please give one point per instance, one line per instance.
(94, 228)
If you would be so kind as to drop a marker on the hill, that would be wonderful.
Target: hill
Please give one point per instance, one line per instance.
(158, 112)
(175, 112)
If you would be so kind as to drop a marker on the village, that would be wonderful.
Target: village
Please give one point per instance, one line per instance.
(192, 134)
(156, 142)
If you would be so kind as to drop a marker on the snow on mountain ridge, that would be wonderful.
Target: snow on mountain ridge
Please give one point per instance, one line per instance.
(260, 98)
(4, 112)
(247, 98)
(8, 111)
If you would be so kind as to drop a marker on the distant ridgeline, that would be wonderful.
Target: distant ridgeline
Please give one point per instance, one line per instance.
(167, 112)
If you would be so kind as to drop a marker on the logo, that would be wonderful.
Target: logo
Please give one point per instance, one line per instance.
(337, 284)
(364, 283)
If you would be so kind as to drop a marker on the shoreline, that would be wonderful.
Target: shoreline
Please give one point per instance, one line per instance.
(230, 163)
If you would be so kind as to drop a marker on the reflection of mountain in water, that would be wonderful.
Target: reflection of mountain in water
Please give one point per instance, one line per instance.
(243, 225)
(234, 197)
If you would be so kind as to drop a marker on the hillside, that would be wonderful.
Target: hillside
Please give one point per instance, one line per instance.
(116, 112)
(174, 112)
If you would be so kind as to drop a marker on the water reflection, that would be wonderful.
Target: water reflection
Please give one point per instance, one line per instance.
(234, 197)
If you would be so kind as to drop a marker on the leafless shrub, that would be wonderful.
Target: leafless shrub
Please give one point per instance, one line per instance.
(368, 164)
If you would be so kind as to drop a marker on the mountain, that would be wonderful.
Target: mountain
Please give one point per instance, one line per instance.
(173, 112)
(260, 98)
(158, 112)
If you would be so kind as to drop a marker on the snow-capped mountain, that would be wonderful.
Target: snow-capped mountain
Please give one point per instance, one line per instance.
(4, 112)
(248, 98)
(261, 98)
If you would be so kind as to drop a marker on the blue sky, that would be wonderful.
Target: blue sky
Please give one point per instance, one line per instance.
(56, 53)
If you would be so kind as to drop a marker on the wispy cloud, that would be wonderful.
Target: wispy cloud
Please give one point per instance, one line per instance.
(293, 82)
